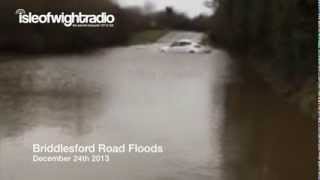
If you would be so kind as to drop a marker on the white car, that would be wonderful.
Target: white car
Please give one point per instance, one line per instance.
(185, 46)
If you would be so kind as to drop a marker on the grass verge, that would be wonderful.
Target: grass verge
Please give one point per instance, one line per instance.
(148, 36)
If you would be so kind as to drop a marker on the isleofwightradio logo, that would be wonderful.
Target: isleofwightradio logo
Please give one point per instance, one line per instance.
(20, 11)
(72, 19)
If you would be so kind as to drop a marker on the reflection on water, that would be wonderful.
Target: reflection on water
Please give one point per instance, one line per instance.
(211, 128)
(123, 96)
(20, 112)
(32, 91)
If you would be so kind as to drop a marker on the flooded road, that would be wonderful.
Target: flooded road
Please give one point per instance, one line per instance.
(131, 95)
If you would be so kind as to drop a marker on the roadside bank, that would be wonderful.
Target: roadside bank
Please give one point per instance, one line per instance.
(274, 139)
(303, 94)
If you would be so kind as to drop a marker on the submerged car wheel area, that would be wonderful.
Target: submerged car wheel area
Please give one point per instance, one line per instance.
(185, 46)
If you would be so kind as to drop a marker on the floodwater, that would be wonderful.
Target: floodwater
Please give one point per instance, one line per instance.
(194, 106)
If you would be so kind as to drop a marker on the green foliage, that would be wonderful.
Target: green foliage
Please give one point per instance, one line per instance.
(283, 30)
(280, 34)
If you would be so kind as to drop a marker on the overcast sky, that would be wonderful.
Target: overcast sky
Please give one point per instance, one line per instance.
(190, 7)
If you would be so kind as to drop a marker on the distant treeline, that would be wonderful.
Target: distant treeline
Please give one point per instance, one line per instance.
(171, 19)
(55, 38)
(166, 19)
(277, 33)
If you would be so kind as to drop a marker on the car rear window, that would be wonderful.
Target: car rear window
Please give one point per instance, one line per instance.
(185, 43)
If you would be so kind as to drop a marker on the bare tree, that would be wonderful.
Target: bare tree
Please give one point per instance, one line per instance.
(212, 4)
(148, 7)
